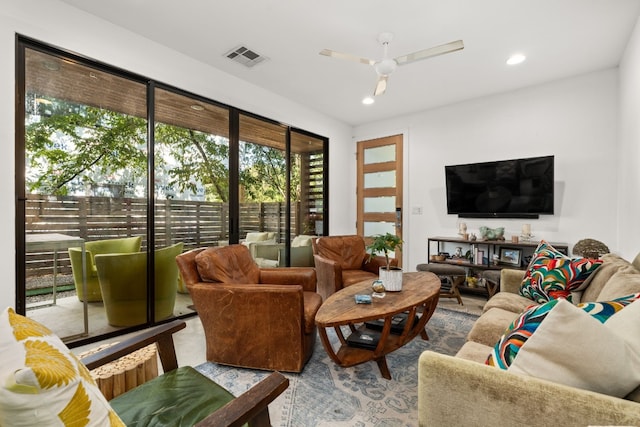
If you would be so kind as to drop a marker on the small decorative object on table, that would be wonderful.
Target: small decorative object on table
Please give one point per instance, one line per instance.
(391, 277)
(363, 299)
(526, 235)
(378, 289)
(487, 233)
(510, 256)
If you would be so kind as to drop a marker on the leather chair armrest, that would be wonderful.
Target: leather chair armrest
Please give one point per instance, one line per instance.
(303, 276)
(188, 267)
(329, 276)
(373, 265)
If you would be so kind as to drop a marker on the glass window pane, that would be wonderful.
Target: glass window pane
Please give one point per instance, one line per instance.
(380, 179)
(386, 153)
(263, 187)
(191, 184)
(380, 204)
(374, 228)
(85, 178)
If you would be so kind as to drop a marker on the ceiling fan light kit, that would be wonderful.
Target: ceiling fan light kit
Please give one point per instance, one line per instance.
(386, 65)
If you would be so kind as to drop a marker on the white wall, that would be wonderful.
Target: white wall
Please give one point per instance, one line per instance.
(629, 151)
(573, 119)
(60, 25)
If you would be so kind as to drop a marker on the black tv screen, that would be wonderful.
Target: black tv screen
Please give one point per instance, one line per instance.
(520, 188)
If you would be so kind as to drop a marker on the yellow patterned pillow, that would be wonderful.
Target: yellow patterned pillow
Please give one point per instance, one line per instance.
(42, 383)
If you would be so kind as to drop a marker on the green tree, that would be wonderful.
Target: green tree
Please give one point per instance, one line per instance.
(70, 145)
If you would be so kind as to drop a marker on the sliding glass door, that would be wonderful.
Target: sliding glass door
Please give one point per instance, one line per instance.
(118, 174)
(85, 186)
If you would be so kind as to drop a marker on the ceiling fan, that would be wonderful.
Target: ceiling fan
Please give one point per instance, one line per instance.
(387, 65)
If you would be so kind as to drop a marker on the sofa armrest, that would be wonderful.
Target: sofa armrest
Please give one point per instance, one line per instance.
(510, 280)
(454, 391)
(329, 276)
(303, 276)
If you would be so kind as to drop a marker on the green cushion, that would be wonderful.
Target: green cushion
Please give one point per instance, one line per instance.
(182, 397)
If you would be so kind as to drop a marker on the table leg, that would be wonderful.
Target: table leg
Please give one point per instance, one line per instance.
(384, 369)
(327, 345)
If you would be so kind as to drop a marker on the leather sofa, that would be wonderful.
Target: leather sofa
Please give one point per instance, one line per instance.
(462, 390)
(342, 261)
(253, 317)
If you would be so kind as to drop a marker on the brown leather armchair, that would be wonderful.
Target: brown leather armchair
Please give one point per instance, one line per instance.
(253, 317)
(342, 261)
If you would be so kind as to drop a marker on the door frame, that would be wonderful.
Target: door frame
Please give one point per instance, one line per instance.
(361, 193)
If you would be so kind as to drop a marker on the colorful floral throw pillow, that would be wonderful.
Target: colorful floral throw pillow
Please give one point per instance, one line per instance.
(592, 346)
(523, 327)
(552, 275)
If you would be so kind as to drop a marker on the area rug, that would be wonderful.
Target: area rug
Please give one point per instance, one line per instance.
(324, 394)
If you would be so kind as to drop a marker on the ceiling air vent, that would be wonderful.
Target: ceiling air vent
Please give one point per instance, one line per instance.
(245, 56)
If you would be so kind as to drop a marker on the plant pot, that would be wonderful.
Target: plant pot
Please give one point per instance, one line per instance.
(391, 279)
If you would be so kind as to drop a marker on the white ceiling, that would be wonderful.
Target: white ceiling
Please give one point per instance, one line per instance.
(561, 38)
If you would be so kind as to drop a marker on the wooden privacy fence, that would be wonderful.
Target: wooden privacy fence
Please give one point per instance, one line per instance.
(196, 223)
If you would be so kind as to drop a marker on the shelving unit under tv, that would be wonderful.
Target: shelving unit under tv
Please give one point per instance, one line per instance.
(490, 247)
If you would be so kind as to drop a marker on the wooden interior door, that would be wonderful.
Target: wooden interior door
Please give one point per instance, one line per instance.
(379, 187)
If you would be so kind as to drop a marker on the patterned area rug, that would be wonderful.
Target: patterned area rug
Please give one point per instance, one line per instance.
(324, 394)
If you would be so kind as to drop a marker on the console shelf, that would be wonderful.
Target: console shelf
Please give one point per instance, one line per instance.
(510, 255)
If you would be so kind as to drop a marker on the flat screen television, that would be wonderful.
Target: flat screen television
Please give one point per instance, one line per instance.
(520, 188)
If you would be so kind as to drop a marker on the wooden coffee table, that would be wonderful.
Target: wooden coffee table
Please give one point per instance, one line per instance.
(419, 295)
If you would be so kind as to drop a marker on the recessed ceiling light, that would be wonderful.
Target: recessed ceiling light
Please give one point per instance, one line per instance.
(197, 107)
(516, 59)
(368, 100)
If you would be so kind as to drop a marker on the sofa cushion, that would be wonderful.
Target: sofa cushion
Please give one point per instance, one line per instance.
(474, 351)
(556, 278)
(350, 277)
(227, 264)
(507, 301)
(554, 352)
(182, 397)
(621, 283)
(260, 236)
(301, 240)
(526, 324)
(42, 382)
(490, 326)
(593, 351)
(595, 283)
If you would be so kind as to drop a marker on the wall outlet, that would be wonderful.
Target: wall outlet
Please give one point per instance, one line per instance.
(416, 210)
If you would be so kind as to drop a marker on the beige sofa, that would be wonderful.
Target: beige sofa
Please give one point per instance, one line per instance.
(462, 390)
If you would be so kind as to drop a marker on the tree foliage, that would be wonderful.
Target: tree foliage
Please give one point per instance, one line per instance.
(70, 147)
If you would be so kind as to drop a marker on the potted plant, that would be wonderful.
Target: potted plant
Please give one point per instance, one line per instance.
(391, 277)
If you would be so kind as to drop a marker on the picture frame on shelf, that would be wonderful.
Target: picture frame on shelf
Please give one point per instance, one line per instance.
(510, 256)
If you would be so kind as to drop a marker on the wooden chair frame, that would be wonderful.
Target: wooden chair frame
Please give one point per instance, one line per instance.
(250, 407)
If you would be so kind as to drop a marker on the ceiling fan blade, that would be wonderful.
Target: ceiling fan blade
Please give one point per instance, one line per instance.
(381, 86)
(334, 54)
(431, 52)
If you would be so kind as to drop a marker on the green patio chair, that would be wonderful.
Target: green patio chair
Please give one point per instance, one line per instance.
(97, 247)
(123, 282)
